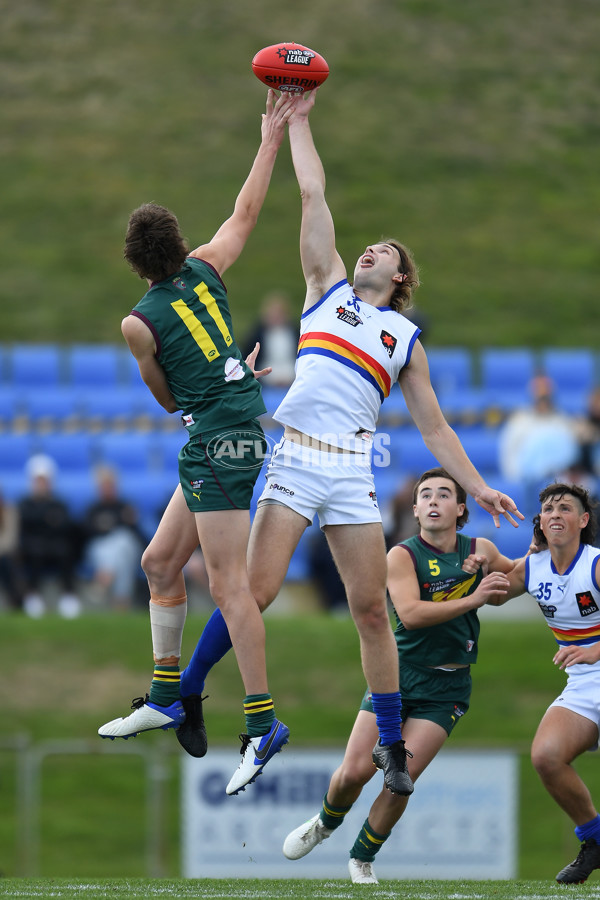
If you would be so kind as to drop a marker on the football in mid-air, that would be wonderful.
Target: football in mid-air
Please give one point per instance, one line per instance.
(290, 67)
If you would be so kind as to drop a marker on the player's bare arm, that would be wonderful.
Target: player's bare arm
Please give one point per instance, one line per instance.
(228, 242)
(403, 587)
(443, 442)
(321, 263)
(140, 341)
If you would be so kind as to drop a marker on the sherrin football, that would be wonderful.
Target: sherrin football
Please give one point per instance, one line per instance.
(290, 67)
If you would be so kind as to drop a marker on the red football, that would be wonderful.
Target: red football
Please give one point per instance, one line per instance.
(290, 67)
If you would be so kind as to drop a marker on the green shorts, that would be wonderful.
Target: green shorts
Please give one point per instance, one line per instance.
(434, 694)
(218, 469)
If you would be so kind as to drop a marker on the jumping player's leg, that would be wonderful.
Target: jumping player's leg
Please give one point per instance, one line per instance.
(163, 560)
(274, 536)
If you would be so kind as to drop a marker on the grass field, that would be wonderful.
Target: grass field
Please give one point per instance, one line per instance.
(71, 676)
(469, 130)
(140, 889)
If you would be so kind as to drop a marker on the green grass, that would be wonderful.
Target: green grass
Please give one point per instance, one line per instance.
(69, 676)
(467, 129)
(140, 889)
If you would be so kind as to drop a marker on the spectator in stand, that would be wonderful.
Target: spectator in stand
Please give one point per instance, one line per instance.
(277, 333)
(114, 542)
(537, 442)
(9, 539)
(48, 543)
(588, 429)
(399, 519)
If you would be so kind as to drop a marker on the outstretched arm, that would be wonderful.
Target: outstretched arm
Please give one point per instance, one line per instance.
(321, 263)
(443, 442)
(227, 244)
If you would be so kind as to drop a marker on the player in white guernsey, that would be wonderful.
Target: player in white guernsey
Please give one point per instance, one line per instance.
(354, 345)
(564, 577)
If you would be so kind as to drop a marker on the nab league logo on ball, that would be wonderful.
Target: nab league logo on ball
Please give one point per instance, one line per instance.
(295, 56)
(240, 449)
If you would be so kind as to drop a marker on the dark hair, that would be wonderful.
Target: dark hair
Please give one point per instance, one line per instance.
(403, 292)
(154, 245)
(559, 490)
(461, 494)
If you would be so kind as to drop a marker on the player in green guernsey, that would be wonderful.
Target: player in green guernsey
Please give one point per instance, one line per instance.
(436, 582)
(181, 335)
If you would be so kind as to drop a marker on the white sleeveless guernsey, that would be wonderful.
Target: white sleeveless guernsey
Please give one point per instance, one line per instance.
(571, 601)
(349, 355)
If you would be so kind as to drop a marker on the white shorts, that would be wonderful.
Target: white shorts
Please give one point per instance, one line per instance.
(339, 487)
(581, 694)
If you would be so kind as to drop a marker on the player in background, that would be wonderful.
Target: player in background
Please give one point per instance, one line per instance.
(181, 335)
(436, 584)
(354, 344)
(564, 578)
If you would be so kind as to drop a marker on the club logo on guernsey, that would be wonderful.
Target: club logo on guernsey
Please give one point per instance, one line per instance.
(389, 342)
(586, 603)
(348, 316)
(233, 369)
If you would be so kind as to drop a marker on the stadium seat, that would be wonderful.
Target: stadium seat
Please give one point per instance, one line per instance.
(481, 445)
(71, 452)
(109, 403)
(15, 450)
(570, 369)
(130, 451)
(33, 365)
(10, 405)
(450, 369)
(508, 368)
(55, 403)
(93, 364)
(167, 446)
(77, 489)
(412, 454)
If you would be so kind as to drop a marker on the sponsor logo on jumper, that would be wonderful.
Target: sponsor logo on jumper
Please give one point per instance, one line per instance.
(586, 603)
(348, 316)
(188, 419)
(179, 283)
(239, 449)
(548, 611)
(234, 370)
(295, 57)
(389, 342)
(281, 489)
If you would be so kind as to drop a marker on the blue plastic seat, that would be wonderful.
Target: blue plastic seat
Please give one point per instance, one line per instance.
(15, 450)
(71, 452)
(573, 370)
(450, 369)
(481, 446)
(412, 453)
(110, 403)
(77, 489)
(33, 365)
(93, 364)
(58, 402)
(130, 451)
(10, 404)
(508, 368)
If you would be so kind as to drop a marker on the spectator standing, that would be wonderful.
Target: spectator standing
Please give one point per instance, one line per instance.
(9, 539)
(277, 333)
(537, 442)
(47, 541)
(114, 543)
